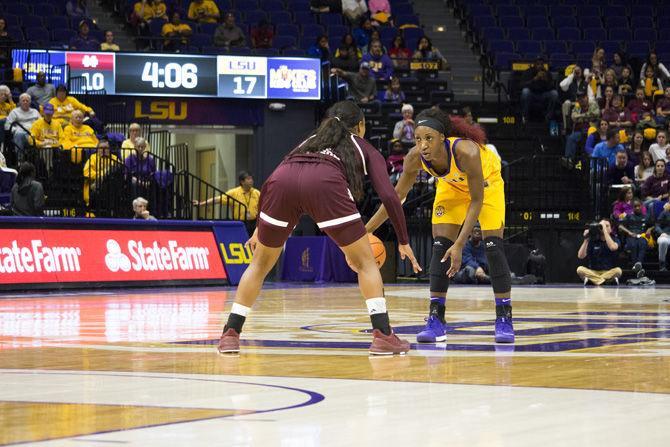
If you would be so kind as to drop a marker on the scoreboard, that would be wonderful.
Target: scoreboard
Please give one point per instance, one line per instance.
(180, 75)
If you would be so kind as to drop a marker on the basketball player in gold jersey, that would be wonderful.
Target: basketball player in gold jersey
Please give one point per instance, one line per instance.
(469, 188)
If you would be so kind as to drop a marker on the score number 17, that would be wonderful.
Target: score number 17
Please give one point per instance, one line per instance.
(239, 84)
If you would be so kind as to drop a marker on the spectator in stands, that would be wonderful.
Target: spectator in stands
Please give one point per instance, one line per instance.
(140, 210)
(83, 41)
(362, 34)
(380, 11)
(583, 113)
(64, 105)
(609, 80)
(596, 137)
(618, 117)
(393, 93)
(663, 107)
(354, 10)
(655, 189)
(77, 136)
(228, 34)
(598, 62)
(320, 48)
(425, 51)
(19, 121)
(159, 10)
(623, 205)
(27, 195)
(651, 82)
(141, 16)
(262, 34)
(399, 53)
(42, 91)
(404, 129)
(638, 105)
(648, 126)
(376, 35)
(609, 148)
(345, 58)
(203, 11)
(46, 132)
(605, 101)
(573, 85)
(141, 166)
(394, 162)
(635, 147)
(601, 254)
(645, 168)
(618, 63)
(538, 89)
(380, 64)
(635, 227)
(176, 33)
(663, 230)
(6, 106)
(97, 167)
(362, 87)
(108, 44)
(626, 82)
(128, 145)
(475, 264)
(658, 150)
(77, 9)
(659, 69)
(622, 173)
(349, 42)
(246, 194)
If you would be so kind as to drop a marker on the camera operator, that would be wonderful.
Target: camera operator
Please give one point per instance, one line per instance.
(600, 248)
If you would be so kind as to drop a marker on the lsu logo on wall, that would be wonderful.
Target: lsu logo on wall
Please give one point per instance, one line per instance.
(235, 253)
(162, 110)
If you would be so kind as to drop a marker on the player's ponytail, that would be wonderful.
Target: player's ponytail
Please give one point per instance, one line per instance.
(334, 133)
(455, 126)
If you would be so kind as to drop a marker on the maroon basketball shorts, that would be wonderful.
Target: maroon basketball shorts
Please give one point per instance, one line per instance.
(318, 189)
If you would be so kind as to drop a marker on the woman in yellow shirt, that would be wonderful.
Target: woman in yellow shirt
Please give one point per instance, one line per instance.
(77, 136)
(6, 103)
(64, 105)
(128, 145)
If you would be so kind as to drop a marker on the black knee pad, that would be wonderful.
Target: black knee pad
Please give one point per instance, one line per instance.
(498, 268)
(439, 281)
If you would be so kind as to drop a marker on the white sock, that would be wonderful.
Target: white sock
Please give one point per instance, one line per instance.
(376, 305)
(240, 309)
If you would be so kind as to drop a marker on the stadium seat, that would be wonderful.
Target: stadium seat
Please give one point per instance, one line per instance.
(537, 22)
(534, 11)
(412, 33)
(569, 34)
(403, 9)
(297, 5)
(482, 22)
(286, 29)
(280, 17)
(37, 34)
(500, 46)
(281, 42)
(590, 11)
(246, 5)
(642, 22)
(503, 61)
(208, 28)
(293, 52)
(32, 21)
(583, 47)
(57, 22)
(272, 5)
(529, 49)
(267, 52)
(516, 34)
(511, 22)
(304, 18)
(408, 19)
(564, 21)
(645, 34)
(595, 34)
(561, 10)
(11, 20)
(637, 48)
(621, 34)
(543, 34)
(200, 40)
(560, 60)
(62, 34)
(494, 33)
(610, 46)
(330, 19)
(15, 33)
(254, 17)
(18, 9)
(507, 10)
(45, 10)
(313, 30)
(337, 31)
(612, 22)
(554, 47)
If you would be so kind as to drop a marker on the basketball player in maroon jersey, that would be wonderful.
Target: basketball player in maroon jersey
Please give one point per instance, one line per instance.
(323, 177)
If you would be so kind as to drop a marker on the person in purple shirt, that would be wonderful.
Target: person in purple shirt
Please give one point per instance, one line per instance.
(83, 41)
(381, 66)
(141, 166)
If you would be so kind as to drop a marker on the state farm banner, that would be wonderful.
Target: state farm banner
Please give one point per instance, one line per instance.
(91, 256)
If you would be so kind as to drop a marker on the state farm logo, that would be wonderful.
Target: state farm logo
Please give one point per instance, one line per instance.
(38, 258)
(154, 257)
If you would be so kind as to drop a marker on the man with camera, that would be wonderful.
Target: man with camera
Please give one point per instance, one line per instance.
(600, 248)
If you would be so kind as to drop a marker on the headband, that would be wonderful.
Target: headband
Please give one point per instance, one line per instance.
(433, 124)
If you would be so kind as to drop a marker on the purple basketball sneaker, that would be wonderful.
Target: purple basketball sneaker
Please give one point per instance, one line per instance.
(434, 331)
(504, 330)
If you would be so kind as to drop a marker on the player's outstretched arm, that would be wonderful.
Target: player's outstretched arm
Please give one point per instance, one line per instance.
(410, 170)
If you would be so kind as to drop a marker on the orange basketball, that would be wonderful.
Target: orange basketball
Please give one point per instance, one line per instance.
(378, 249)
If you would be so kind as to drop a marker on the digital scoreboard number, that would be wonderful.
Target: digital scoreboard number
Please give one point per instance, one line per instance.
(96, 71)
(165, 75)
(242, 76)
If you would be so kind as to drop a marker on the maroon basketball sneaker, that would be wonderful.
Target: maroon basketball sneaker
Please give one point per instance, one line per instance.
(229, 342)
(387, 344)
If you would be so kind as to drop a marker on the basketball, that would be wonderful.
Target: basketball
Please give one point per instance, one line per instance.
(378, 249)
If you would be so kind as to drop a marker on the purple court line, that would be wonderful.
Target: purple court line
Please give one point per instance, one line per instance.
(314, 398)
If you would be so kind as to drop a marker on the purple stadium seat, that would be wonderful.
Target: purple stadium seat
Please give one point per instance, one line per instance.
(279, 17)
(281, 42)
(518, 34)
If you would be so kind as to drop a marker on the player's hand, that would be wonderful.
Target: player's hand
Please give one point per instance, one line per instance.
(455, 253)
(253, 240)
(406, 252)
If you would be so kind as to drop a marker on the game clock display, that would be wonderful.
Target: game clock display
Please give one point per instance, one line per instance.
(180, 75)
